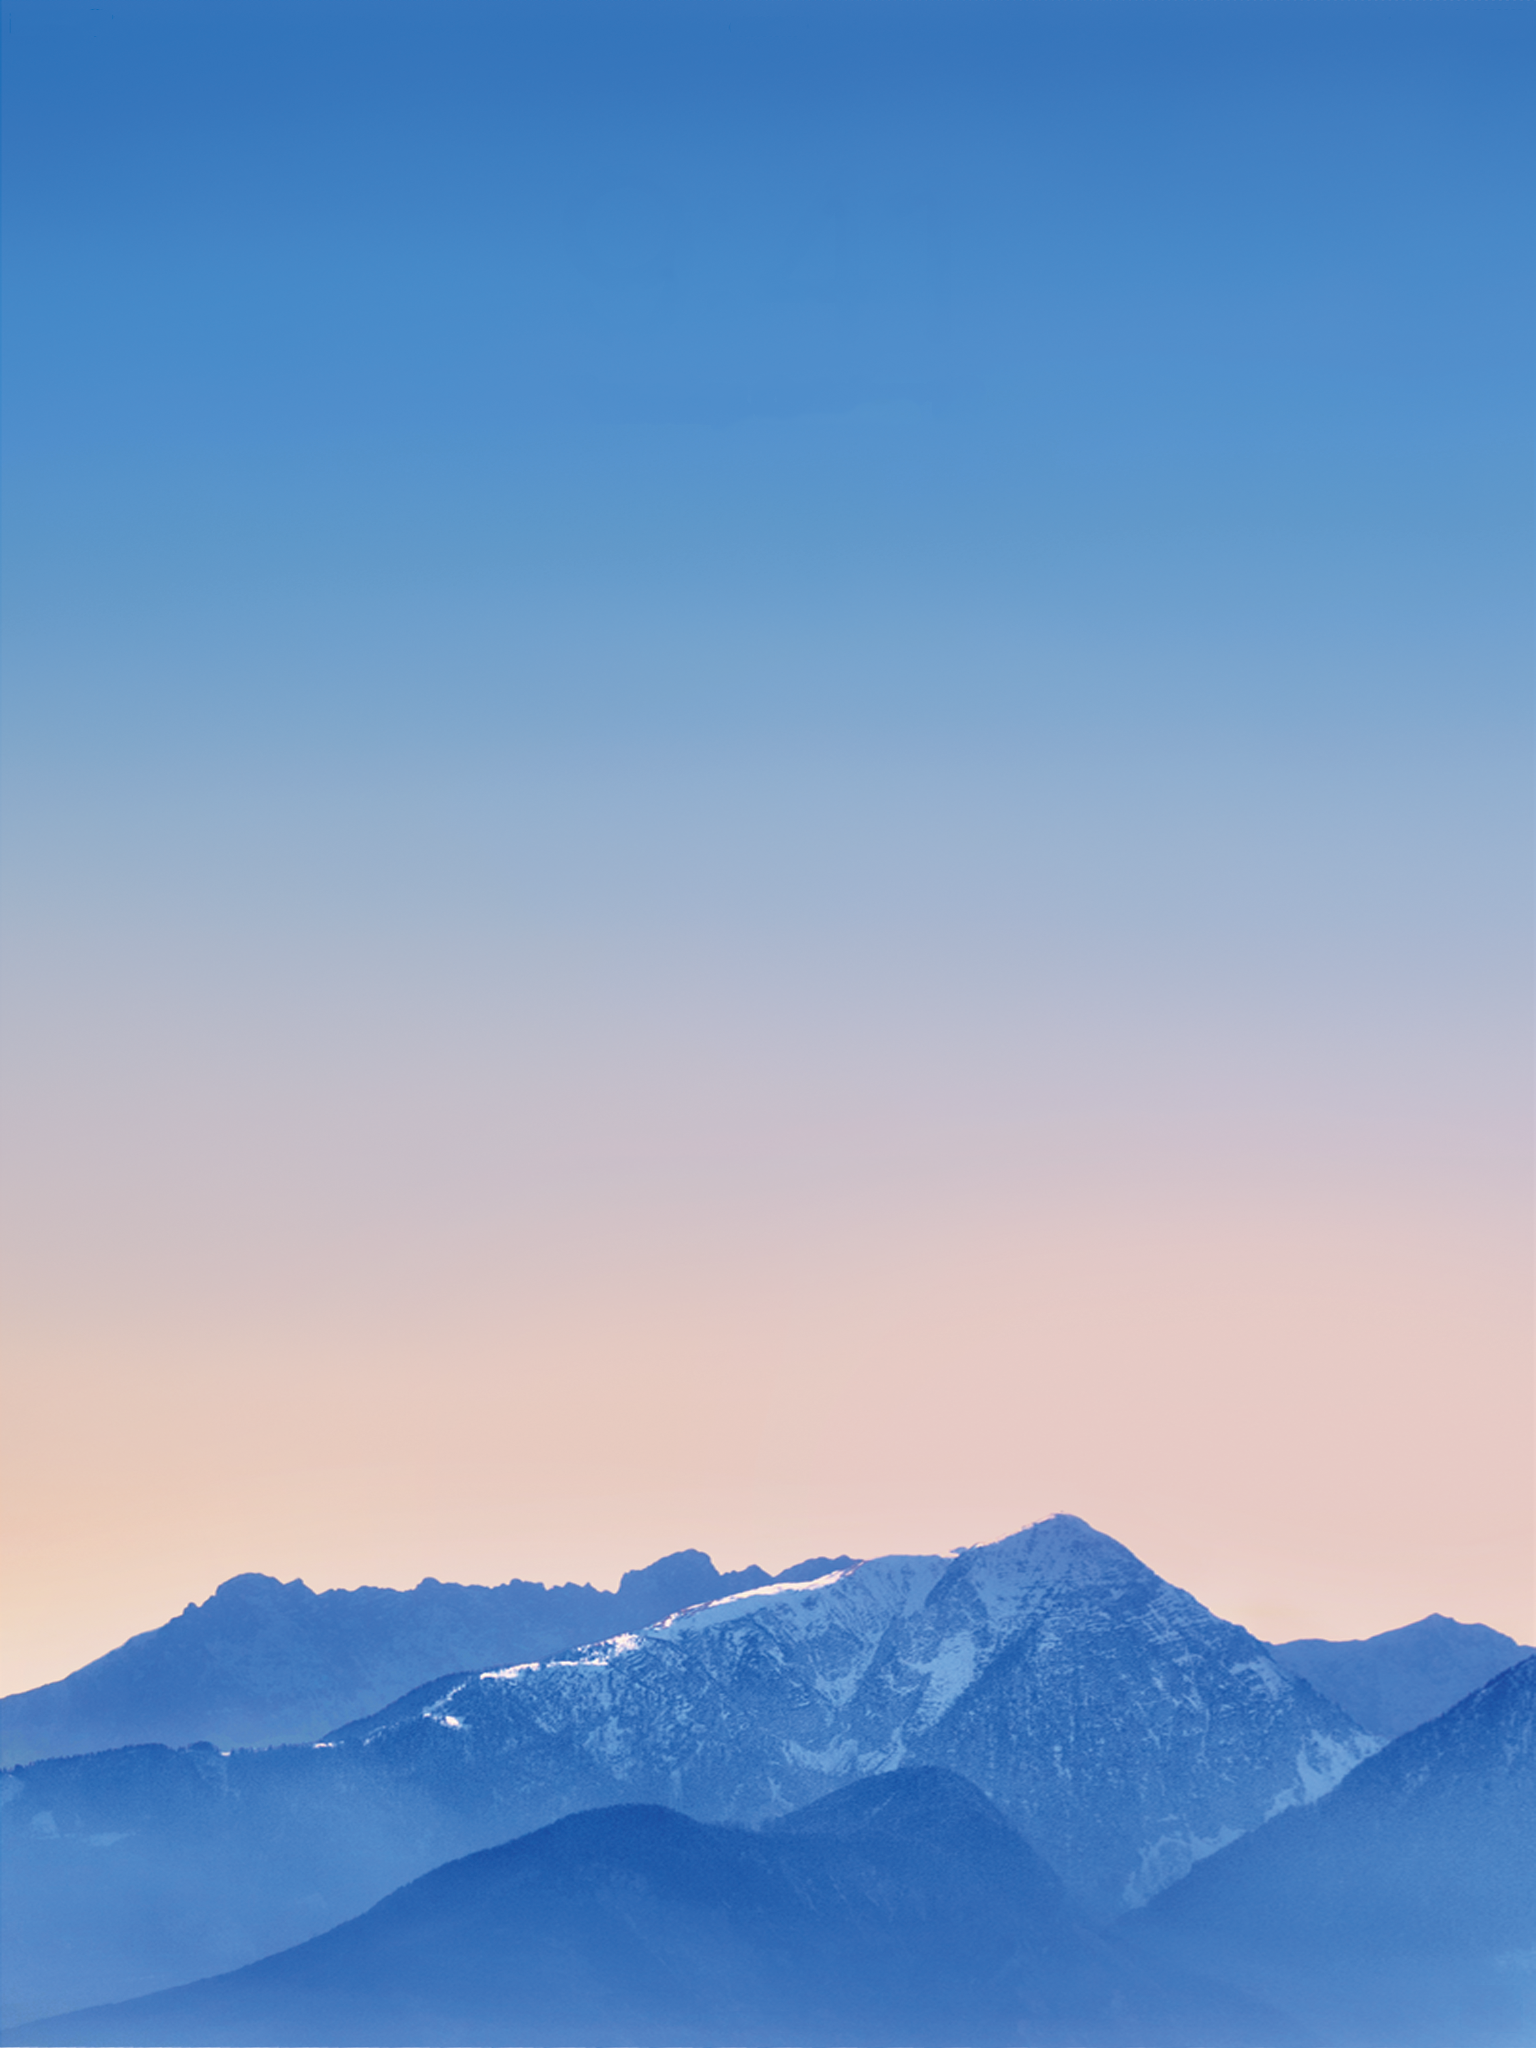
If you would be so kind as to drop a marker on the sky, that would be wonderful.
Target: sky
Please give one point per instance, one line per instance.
(767, 785)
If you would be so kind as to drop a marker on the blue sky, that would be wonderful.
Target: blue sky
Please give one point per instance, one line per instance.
(1061, 324)
(732, 593)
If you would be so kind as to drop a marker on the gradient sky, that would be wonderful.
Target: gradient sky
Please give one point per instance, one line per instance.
(767, 784)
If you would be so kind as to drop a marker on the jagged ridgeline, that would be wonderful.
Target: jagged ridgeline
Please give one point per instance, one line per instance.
(1120, 1726)
(266, 1662)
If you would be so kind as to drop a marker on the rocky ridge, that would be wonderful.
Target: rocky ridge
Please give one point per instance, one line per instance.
(264, 1662)
(1125, 1730)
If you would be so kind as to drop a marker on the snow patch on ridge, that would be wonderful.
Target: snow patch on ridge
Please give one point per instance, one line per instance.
(858, 1601)
(1323, 1761)
(730, 1605)
(597, 1656)
(836, 1760)
(1115, 1689)
(1271, 1678)
(1171, 1857)
(947, 1674)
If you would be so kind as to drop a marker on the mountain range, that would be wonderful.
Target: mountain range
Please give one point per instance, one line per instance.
(1122, 1727)
(1398, 1911)
(1162, 1773)
(264, 1662)
(898, 1909)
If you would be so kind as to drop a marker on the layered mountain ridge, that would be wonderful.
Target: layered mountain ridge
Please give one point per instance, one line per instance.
(1031, 1666)
(1399, 1912)
(902, 1908)
(263, 1661)
(1125, 1730)
(1403, 1677)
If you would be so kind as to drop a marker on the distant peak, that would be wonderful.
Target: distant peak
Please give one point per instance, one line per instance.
(1431, 1628)
(675, 1560)
(1072, 1525)
(814, 1568)
(258, 1586)
(684, 1579)
(1057, 1539)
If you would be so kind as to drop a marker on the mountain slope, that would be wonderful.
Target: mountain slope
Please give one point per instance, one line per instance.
(1405, 1676)
(1115, 1720)
(902, 1909)
(1400, 1911)
(1122, 1727)
(262, 1662)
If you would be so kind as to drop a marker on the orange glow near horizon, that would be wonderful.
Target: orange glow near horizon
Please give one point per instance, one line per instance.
(1254, 1400)
(357, 1248)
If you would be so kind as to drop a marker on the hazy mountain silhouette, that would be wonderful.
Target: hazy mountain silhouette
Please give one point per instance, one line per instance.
(1400, 1911)
(1406, 1676)
(902, 1909)
(1121, 1726)
(263, 1662)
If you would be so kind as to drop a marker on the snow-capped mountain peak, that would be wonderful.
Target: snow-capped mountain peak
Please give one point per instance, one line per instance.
(1045, 1667)
(1125, 1730)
